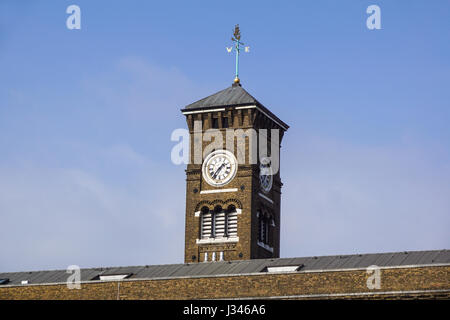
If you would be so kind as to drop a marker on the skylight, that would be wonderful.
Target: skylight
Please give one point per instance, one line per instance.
(113, 277)
(283, 268)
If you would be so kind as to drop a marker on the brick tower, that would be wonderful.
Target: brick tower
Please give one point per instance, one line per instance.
(232, 206)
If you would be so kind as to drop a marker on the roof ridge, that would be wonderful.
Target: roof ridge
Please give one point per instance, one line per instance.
(232, 95)
(229, 262)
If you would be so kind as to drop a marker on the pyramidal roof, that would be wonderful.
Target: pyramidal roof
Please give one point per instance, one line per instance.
(233, 96)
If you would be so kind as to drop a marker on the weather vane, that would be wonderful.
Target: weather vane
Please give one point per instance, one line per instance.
(236, 38)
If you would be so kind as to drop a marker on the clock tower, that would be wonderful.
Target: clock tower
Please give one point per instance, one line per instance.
(233, 185)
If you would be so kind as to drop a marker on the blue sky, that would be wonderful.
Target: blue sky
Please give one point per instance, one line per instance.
(86, 117)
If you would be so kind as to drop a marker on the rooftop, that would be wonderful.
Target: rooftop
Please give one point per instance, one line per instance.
(233, 96)
(256, 266)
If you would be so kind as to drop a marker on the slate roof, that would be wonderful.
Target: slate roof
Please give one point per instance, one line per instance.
(256, 266)
(232, 96)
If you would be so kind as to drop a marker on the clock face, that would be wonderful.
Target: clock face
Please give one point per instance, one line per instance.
(265, 175)
(219, 168)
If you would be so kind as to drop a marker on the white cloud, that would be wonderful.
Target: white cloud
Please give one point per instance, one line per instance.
(143, 90)
(56, 217)
(126, 154)
(77, 191)
(343, 198)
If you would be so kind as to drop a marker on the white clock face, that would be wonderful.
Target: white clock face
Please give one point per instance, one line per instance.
(265, 175)
(219, 168)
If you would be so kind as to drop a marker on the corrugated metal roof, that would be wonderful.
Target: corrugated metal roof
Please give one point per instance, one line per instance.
(341, 262)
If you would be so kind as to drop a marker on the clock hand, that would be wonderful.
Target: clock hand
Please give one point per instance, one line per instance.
(218, 170)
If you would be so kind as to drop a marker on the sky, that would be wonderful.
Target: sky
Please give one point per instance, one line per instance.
(86, 117)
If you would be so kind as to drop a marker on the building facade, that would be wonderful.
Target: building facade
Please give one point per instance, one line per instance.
(401, 275)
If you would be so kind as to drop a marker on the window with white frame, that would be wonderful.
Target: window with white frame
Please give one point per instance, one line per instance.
(232, 221)
(206, 223)
(218, 223)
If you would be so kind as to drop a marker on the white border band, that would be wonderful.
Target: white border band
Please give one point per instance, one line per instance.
(219, 190)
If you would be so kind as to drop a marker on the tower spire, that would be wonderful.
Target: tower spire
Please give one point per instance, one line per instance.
(236, 38)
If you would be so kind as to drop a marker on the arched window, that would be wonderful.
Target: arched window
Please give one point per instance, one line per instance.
(206, 223)
(261, 227)
(231, 224)
(265, 223)
(218, 223)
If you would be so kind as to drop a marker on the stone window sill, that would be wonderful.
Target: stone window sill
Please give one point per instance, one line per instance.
(217, 240)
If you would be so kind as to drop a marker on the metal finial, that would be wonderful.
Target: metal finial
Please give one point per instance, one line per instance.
(236, 38)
